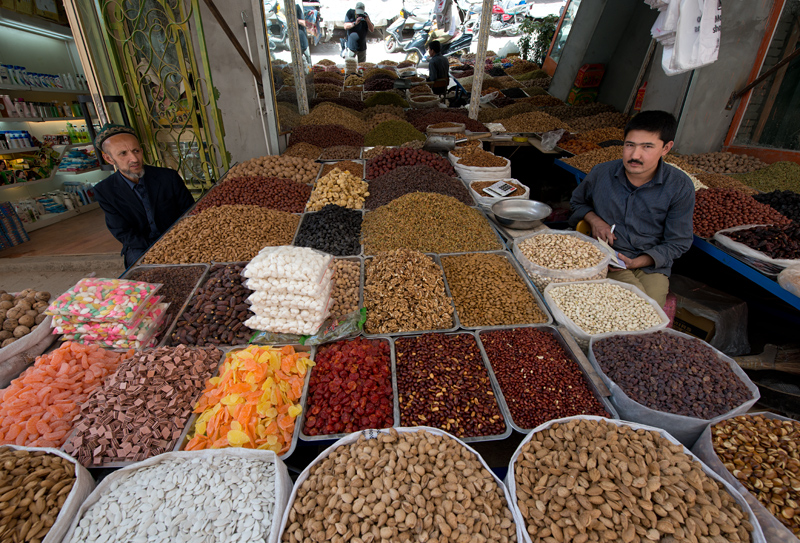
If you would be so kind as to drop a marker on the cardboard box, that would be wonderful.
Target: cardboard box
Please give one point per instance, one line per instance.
(589, 75)
(694, 325)
(24, 6)
(579, 96)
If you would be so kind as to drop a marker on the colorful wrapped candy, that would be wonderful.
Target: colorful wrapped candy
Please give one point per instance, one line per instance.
(104, 300)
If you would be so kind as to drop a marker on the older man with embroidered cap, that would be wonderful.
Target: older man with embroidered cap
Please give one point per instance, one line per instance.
(140, 202)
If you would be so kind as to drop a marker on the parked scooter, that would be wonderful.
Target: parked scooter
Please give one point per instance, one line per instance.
(417, 48)
(394, 40)
(470, 13)
(277, 34)
(509, 20)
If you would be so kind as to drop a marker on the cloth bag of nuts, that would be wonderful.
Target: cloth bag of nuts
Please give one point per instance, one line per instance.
(774, 530)
(486, 201)
(283, 483)
(790, 279)
(21, 354)
(592, 256)
(83, 486)
(684, 428)
(480, 173)
(749, 252)
(756, 535)
(374, 434)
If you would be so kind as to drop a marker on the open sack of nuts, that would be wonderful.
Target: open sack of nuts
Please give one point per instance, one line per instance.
(480, 166)
(403, 484)
(620, 481)
(778, 246)
(214, 495)
(593, 309)
(768, 480)
(671, 380)
(521, 192)
(57, 482)
(24, 331)
(560, 256)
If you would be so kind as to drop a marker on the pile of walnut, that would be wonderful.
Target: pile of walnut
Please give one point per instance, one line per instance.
(21, 313)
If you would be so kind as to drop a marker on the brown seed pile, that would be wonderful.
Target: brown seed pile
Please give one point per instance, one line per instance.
(586, 161)
(404, 292)
(672, 374)
(410, 486)
(541, 82)
(177, 284)
(678, 161)
(216, 313)
(762, 454)
(542, 100)
(717, 209)
(478, 187)
(578, 146)
(340, 152)
(223, 234)
(327, 113)
(482, 159)
(142, 409)
(420, 89)
(609, 119)
(430, 394)
(303, 150)
(356, 168)
(21, 313)
(723, 162)
(353, 81)
(298, 169)
(427, 222)
(619, 484)
(391, 109)
(288, 117)
(533, 121)
(326, 135)
(491, 115)
(599, 135)
(408, 179)
(375, 151)
(270, 192)
(567, 112)
(379, 118)
(34, 485)
(487, 291)
(346, 282)
(720, 181)
(395, 157)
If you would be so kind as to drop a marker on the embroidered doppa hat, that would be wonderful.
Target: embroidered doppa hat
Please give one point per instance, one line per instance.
(109, 130)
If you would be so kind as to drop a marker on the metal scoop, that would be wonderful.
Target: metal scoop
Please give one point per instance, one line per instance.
(437, 143)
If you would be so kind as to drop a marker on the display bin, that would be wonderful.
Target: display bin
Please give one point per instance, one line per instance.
(333, 437)
(494, 384)
(521, 273)
(283, 483)
(372, 434)
(167, 327)
(307, 213)
(756, 535)
(683, 428)
(774, 530)
(324, 163)
(124, 463)
(456, 323)
(297, 426)
(575, 356)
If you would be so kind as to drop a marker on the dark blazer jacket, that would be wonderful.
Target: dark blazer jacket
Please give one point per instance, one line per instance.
(125, 215)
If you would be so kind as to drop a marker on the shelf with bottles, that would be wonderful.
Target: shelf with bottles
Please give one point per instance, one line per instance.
(18, 78)
(19, 109)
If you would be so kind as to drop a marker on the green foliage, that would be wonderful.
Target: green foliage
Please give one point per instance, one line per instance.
(536, 37)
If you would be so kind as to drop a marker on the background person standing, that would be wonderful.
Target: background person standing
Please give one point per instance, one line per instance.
(358, 24)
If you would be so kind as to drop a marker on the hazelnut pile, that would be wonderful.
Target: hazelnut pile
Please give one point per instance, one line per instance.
(21, 313)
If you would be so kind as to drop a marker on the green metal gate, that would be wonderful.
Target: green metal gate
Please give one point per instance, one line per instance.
(160, 62)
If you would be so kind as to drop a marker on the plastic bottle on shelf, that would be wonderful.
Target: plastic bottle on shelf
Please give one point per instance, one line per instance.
(84, 135)
(73, 136)
(5, 76)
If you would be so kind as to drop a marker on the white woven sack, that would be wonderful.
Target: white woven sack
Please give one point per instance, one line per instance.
(683, 428)
(744, 250)
(372, 434)
(774, 530)
(757, 534)
(80, 490)
(582, 337)
(542, 276)
(478, 173)
(283, 483)
(789, 279)
(486, 201)
(16, 357)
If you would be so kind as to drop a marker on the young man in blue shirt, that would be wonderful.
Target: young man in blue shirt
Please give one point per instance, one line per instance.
(358, 24)
(640, 205)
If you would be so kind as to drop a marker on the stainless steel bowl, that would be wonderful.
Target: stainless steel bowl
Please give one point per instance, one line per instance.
(520, 214)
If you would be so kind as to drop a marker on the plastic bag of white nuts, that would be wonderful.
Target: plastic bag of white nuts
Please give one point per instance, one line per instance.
(221, 495)
(672, 497)
(560, 256)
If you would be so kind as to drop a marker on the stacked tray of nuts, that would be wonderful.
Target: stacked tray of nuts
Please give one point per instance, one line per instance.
(756, 453)
(622, 482)
(433, 487)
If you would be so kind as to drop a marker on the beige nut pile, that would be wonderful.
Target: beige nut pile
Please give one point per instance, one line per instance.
(20, 314)
(340, 188)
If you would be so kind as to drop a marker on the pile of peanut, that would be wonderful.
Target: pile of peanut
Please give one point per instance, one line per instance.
(297, 168)
(591, 480)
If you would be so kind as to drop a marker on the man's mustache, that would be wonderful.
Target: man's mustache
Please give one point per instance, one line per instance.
(635, 162)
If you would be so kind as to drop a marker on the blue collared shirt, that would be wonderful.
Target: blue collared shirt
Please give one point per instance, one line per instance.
(654, 219)
(145, 199)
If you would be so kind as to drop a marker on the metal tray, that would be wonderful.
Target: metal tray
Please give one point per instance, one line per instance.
(125, 463)
(182, 441)
(514, 264)
(395, 408)
(456, 324)
(200, 281)
(495, 389)
(590, 383)
(299, 226)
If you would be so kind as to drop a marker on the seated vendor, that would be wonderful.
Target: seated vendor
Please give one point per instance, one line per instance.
(640, 205)
(439, 66)
(140, 202)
